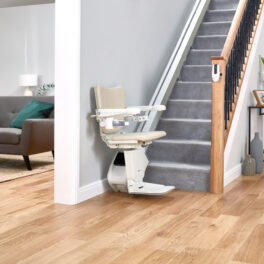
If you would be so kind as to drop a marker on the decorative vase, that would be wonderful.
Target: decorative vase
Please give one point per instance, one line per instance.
(256, 147)
(249, 166)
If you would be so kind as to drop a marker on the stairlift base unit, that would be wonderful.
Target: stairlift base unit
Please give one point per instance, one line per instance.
(127, 171)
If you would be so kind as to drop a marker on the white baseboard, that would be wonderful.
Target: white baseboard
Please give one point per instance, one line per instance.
(232, 174)
(93, 189)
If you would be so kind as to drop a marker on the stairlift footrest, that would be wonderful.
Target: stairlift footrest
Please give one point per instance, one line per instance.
(147, 188)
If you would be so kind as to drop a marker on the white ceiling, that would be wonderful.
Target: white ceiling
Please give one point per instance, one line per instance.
(10, 3)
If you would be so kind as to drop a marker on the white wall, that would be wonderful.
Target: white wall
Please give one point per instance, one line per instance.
(9, 3)
(123, 43)
(238, 137)
(27, 45)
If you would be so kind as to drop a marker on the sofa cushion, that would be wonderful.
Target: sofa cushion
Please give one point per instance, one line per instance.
(10, 106)
(10, 136)
(33, 110)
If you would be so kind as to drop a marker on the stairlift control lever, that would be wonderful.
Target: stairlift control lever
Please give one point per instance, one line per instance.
(216, 72)
(111, 123)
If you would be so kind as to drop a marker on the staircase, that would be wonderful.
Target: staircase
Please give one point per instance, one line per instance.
(182, 158)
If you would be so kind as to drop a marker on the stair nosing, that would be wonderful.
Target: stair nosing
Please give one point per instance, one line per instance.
(191, 100)
(217, 22)
(180, 165)
(205, 50)
(185, 142)
(210, 36)
(220, 10)
(197, 65)
(192, 120)
(180, 81)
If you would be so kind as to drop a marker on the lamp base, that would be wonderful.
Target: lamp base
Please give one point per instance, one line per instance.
(28, 92)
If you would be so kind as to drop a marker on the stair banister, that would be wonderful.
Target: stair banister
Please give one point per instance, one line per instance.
(225, 91)
(230, 39)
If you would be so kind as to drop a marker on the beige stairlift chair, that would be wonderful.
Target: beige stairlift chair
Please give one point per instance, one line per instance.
(127, 170)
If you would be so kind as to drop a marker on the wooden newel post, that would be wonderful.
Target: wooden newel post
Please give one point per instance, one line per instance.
(218, 127)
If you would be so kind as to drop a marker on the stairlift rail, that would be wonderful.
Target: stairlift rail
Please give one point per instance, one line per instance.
(173, 68)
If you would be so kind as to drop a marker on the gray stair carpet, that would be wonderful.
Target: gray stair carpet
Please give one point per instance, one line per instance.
(182, 158)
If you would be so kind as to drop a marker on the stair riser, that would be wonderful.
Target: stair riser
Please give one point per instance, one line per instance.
(196, 73)
(214, 29)
(209, 42)
(186, 130)
(223, 4)
(201, 57)
(185, 109)
(219, 16)
(181, 179)
(178, 152)
(192, 91)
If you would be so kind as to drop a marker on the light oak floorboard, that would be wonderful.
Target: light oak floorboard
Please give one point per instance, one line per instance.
(181, 227)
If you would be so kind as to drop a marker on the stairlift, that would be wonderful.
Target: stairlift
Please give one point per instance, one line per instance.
(127, 170)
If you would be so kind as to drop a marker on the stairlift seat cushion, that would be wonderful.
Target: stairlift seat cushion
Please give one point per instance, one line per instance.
(141, 137)
(110, 98)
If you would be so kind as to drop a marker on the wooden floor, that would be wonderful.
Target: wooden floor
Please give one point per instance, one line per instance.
(181, 227)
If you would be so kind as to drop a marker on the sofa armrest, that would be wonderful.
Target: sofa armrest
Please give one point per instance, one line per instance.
(37, 136)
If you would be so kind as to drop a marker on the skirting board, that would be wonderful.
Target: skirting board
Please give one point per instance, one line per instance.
(232, 174)
(93, 189)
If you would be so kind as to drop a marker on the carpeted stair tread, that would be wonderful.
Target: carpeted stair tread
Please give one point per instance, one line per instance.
(193, 73)
(209, 28)
(192, 90)
(186, 129)
(182, 176)
(219, 15)
(223, 4)
(182, 151)
(201, 57)
(209, 42)
(195, 109)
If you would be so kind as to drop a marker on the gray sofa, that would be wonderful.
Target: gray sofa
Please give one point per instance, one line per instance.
(36, 136)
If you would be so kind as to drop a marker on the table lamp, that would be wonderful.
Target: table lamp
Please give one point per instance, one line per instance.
(28, 81)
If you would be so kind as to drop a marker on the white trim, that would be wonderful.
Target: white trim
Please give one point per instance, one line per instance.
(67, 100)
(93, 189)
(233, 174)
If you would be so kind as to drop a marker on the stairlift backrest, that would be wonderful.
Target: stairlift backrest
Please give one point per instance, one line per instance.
(110, 98)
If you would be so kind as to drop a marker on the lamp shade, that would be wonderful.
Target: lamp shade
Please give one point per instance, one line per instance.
(28, 80)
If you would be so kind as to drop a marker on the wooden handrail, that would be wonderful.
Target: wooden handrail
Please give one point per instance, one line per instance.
(231, 36)
(219, 133)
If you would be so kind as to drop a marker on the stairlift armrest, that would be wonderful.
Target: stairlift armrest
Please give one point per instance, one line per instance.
(106, 117)
(150, 108)
(126, 112)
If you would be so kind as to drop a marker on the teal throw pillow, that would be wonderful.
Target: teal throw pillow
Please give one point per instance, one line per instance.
(33, 110)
